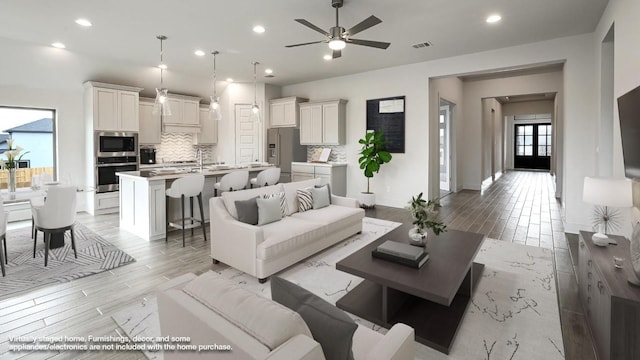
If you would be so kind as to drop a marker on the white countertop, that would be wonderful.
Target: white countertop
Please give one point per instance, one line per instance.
(327, 164)
(174, 172)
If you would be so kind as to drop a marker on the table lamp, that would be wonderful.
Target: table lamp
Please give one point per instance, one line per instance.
(606, 193)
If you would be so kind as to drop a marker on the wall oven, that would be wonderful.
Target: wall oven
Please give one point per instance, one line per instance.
(107, 167)
(116, 143)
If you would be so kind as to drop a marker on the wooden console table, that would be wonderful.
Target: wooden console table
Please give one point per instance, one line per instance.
(612, 306)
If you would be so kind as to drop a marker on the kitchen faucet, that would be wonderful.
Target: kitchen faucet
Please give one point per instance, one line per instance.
(199, 158)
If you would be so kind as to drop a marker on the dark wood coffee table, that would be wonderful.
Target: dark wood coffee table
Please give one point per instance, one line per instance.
(432, 299)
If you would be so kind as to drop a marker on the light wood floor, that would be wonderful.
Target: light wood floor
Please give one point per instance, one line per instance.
(518, 207)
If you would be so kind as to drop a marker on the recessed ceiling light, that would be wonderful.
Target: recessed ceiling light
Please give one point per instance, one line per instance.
(199, 53)
(84, 22)
(58, 45)
(163, 66)
(229, 80)
(327, 57)
(492, 19)
(268, 71)
(259, 29)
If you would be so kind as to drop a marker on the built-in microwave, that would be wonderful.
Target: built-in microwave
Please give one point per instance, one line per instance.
(116, 143)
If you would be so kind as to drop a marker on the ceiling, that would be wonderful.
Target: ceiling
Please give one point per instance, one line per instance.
(124, 32)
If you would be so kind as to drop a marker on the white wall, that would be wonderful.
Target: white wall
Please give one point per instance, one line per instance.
(449, 89)
(406, 175)
(70, 123)
(624, 16)
(492, 138)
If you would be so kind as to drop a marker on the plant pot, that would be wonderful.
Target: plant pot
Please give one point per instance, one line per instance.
(367, 200)
(417, 238)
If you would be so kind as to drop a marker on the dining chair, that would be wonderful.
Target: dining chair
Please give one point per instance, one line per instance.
(266, 177)
(57, 214)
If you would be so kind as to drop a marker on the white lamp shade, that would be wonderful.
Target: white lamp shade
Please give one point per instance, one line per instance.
(607, 192)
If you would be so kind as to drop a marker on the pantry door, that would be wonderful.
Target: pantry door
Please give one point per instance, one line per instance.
(247, 136)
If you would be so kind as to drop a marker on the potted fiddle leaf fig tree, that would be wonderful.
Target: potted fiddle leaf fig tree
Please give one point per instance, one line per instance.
(372, 156)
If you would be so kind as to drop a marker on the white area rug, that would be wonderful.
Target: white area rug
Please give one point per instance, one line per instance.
(513, 313)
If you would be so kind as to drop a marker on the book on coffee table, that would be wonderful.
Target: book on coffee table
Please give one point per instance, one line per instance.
(401, 253)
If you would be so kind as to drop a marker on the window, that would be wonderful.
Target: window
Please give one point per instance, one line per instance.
(544, 140)
(524, 140)
(33, 131)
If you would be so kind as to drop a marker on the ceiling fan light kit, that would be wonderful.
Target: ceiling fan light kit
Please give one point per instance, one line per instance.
(338, 37)
(161, 105)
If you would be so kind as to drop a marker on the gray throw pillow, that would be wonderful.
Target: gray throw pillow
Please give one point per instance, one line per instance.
(328, 189)
(330, 326)
(247, 211)
(268, 210)
(320, 197)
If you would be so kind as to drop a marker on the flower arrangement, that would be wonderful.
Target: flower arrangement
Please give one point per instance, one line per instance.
(13, 155)
(424, 215)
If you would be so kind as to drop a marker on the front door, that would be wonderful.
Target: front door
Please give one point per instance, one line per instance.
(247, 136)
(532, 146)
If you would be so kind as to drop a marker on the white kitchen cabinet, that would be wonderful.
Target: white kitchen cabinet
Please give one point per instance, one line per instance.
(185, 112)
(150, 124)
(285, 112)
(323, 123)
(333, 174)
(112, 107)
(208, 134)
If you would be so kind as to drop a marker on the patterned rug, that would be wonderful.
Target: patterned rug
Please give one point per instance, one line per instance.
(95, 255)
(513, 313)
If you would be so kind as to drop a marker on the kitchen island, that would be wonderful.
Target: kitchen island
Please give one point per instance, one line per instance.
(142, 196)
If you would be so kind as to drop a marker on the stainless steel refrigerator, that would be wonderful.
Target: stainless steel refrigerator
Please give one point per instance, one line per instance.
(283, 147)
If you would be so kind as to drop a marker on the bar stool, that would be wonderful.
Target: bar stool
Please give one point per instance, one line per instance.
(188, 186)
(236, 180)
(266, 177)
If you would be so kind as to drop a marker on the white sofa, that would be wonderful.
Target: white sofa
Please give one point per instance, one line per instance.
(212, 310)
(264, 250)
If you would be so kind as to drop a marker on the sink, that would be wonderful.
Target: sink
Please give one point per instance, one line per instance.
(165, 170)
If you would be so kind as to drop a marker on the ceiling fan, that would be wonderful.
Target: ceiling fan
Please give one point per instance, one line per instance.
(338, 37)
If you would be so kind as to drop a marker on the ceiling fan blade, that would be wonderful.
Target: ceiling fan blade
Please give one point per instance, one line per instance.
(375, 44)
(313, 27)
(336, 54)
(363, 25)
(307, 43)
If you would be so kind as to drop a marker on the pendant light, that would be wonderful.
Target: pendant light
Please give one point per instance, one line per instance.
(161, 105)
(255, 109)
(214, 105)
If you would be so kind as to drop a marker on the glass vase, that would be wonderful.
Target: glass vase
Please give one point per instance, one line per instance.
(12, 181)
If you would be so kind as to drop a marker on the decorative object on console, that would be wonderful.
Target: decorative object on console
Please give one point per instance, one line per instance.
(606, 193)
(635, 255)
(424, 215)
(338, 37)
(161, 105)
(373, 154)
(255, 109)
(214, 106)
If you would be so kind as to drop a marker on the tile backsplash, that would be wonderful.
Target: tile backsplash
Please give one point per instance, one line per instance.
(179, 147)
(338, 152)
